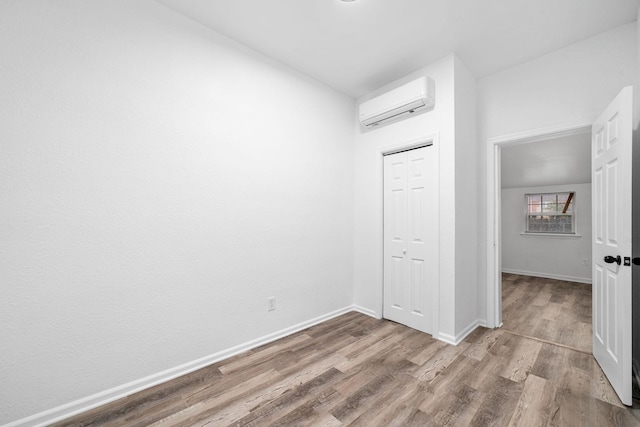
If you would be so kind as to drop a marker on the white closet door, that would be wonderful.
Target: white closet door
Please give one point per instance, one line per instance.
(410, 237)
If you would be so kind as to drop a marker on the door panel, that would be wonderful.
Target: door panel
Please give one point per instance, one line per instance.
(611, 189)
(409, 237)
(417, 284)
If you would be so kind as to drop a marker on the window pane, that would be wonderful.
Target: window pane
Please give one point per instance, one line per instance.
(550, 223)
(534, 203)
(534, 208)
(544, 213)
(549, 207)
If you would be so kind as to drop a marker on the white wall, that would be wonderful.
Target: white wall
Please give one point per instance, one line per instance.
(568, 84)
(454, 284)
(572, 84)
(544, 256)
(466, 236)
(368, 189)
(158, 183)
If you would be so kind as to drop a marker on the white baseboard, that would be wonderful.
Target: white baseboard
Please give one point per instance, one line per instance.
(482, 323)
(85, 404)
(458, 338)
(367, 311)
(449, 339)
(586, 280)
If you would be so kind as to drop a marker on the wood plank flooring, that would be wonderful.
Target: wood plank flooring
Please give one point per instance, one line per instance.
(551, 310)
(358, 371)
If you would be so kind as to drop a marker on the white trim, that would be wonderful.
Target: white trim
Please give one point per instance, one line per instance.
(449, 339)
(458, 338)
(558, 130)
(550, 235)
(586, 280)
(79, 406)
(367, 311)
(494, 249)
(408, 144)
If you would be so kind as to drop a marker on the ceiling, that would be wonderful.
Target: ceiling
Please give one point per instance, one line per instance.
(360, 46)
(565, 160)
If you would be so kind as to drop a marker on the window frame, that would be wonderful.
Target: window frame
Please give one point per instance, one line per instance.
(557, 213)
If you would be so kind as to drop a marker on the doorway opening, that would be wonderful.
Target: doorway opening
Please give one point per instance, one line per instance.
(545, 229)
(494, 203)
(612, 149)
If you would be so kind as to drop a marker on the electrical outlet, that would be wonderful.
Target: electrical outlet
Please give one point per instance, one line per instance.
(271, 303)
(585, 261)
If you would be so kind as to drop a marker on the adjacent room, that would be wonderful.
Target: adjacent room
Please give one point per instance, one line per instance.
(298, 213)
(546, 239)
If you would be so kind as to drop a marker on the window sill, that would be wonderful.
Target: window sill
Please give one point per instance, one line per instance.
(552, 235)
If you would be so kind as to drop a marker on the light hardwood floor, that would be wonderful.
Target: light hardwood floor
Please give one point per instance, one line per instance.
(548, 309)
(356, 370)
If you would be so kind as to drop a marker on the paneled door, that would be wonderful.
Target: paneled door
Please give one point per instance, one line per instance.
(410, 237)
(611, 190)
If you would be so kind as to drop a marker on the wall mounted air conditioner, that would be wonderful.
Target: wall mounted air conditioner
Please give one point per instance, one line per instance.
(404, 101)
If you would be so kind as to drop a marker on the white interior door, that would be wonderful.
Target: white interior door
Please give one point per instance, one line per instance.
(409, 237)
(611, 188)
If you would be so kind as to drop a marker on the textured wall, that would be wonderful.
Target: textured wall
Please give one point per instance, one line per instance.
(157, 184)
(466, 187)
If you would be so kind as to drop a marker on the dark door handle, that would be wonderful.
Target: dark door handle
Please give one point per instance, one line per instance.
(636, 261)
(610, 260)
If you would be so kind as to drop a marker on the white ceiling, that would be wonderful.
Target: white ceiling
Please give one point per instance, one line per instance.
(361, 46)
(565, 160)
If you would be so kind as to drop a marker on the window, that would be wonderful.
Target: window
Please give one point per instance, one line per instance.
(550, 213)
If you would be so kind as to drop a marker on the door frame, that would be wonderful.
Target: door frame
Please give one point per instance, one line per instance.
(494, 245)
(432, 140)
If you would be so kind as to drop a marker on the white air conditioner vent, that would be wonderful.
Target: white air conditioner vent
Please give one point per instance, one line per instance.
(404, 101)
